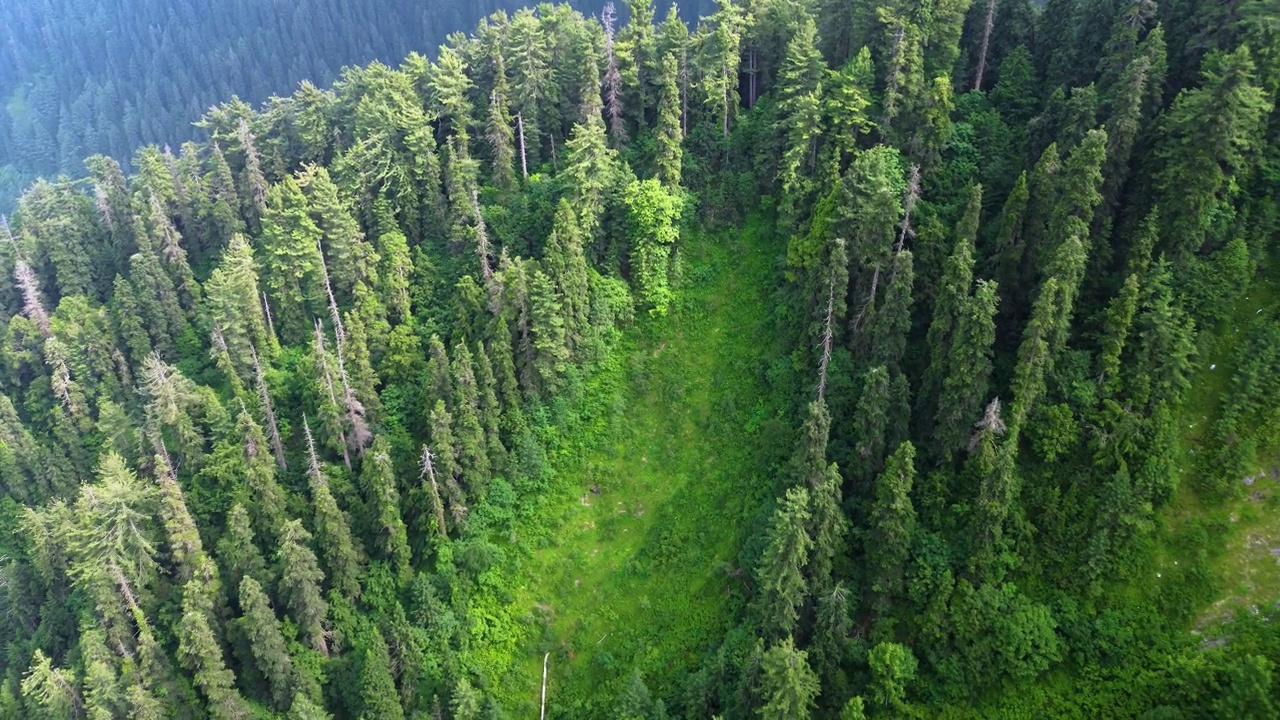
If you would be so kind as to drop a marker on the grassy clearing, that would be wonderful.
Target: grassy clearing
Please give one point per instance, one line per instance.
(656, 490)
(1243, 548)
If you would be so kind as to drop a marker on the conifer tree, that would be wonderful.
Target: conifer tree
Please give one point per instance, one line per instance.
(431, 488)
(292, 243)
(238, 553)
(846, 100)
(800, 104)
(566, 266)
(449, 89)
(472, 445)
(670, 135)
(300, 579)
(394, 274)
(673, 40)
(445, 464)
(530, 82)
(185, 547)
(1005, 258)
(892, 523)
(350, 258)
(612, 79)
(968, 369)
(782, 566)
(952, 294)
(588, 174)
(823, 482)
(268, 506)
(379, 479)
(637, 56)
(360, 385)
(198, 647)
(266, 641)
(719, 46)
(788, 686)
(490, 410)
(377, 688)
(499, 128)
(52, 690)
(1069, 226)
(1212, 132)
(334, 535)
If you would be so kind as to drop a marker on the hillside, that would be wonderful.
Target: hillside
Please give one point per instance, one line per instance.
(822, 360)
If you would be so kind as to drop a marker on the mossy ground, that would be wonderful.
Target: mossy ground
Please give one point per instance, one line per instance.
(658, 483)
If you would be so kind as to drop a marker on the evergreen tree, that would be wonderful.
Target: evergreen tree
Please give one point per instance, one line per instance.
(377, 688)
(292, 243)
(565, 263)
(379, 479)
(266, 641)
(237, 552)
(300, 579)
(445, 461)
(966, 384)
(893, 521)
(781, 569)
(1211, 132)
(499, 129)
(547, 329)
(588, 174)
(670, 134)
(268, 506)
(336, 544)
(473, 456)
(198, 647)
(788, 686)
(719, 42)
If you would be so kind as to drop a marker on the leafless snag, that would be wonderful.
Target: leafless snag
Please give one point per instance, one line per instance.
(985, 45)
(612, 79)
(990, 422)
(524, 163)
(827, 335)
(273, 430)
(429, 473)
(28, 283)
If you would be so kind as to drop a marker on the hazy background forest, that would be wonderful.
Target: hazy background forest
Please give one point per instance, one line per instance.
(808, 358)
(85, 77)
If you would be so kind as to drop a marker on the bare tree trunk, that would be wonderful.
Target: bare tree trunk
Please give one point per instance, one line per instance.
(338, 330)
(273, 431)
(684, 92)
(986, 41)
(827, 335)
(28, 283)
(524, 163)
(871, 298)
(545, 658)
(333, 396)
(429, 472)
(266, 310)
(908, 204)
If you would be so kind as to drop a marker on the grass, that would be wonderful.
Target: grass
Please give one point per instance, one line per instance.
(1244, 532)
(657, 491)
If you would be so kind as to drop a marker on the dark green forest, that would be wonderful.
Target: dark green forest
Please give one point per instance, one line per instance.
(83, 77)
(818, 359)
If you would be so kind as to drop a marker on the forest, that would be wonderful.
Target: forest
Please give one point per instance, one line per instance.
(813, 359)
(84, 77)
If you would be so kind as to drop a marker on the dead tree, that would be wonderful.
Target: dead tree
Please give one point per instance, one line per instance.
(985, 45)
(273, 430)
(429, 474)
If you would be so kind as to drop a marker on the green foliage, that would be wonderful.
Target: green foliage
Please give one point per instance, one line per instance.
(654, 216)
